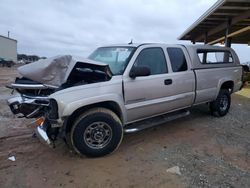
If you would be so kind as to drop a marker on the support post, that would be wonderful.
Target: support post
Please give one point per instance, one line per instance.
(228, 40)
(205, 38)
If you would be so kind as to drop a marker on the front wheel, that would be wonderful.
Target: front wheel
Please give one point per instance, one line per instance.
(96, 133)
(221, 105)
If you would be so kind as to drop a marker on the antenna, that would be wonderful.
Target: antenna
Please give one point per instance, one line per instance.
(131, 42)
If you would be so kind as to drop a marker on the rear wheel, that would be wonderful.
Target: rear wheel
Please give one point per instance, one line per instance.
(97, 132)
(221, 105)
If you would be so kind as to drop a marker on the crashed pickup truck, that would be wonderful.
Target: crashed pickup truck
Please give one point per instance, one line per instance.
(118, 89)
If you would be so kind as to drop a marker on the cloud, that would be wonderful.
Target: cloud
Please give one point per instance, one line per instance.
(76, 27)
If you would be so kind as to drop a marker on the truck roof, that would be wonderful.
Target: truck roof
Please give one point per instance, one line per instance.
(195, 46)
(193, 53)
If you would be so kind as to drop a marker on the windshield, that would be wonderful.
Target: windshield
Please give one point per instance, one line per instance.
(116, 57)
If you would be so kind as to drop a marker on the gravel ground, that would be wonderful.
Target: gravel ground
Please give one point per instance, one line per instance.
(207, 151)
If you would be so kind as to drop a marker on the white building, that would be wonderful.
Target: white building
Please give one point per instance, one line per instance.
(8, 48)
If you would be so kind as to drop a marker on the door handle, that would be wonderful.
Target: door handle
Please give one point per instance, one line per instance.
(168, 81)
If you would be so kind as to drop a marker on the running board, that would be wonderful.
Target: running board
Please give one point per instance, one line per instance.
(145, 124)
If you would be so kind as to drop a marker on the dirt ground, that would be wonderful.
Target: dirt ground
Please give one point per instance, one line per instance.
(210, 152)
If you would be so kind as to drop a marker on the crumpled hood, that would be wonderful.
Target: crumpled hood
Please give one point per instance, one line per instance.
(54, 71)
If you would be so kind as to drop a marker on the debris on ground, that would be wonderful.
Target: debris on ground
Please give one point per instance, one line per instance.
(12, 158)
(174, 170)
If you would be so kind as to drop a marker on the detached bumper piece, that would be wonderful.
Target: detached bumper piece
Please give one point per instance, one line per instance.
(42, 134)
(46, 133)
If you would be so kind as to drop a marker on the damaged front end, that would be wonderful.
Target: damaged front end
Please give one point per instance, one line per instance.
(33, 106)
(43, 109)
(45, 77)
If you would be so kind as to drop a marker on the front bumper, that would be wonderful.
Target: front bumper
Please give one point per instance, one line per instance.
(29, 107)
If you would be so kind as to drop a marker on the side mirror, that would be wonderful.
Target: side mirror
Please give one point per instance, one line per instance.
(139, 71)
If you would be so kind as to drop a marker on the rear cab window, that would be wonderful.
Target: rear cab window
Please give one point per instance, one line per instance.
(214, 56)
(177, 59)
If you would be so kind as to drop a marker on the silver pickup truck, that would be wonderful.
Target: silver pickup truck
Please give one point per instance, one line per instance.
(121, 89)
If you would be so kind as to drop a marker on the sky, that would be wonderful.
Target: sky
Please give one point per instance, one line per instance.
(77, 27)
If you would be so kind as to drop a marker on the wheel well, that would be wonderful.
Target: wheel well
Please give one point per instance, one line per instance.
(113, 106)
(228, 85)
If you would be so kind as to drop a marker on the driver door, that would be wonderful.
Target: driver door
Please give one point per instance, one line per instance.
(144, 95)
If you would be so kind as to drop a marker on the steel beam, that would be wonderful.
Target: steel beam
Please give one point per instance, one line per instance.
(223, 26)
(231, 35)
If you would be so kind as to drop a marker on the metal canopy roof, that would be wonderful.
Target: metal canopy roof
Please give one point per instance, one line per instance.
(225, 19)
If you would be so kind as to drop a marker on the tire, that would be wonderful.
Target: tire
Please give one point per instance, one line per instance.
(221, 105)
(96, 133)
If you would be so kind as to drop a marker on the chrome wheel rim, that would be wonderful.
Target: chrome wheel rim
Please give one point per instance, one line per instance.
(223, 103)
(98, 135)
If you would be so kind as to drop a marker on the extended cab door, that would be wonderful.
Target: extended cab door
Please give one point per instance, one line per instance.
(183, 86)
(160, 92)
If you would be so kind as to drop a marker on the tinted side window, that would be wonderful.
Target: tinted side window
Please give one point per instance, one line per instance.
(154, 59)
(177, 58)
